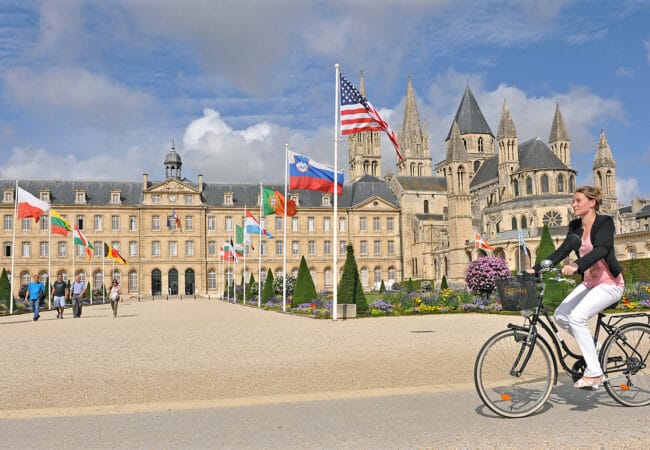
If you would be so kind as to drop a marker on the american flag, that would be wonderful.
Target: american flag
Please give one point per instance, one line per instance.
(358, 114)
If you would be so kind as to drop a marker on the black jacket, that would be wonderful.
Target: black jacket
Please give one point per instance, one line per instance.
(602, 239)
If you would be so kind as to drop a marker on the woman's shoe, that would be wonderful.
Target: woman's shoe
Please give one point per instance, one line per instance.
(589, 384)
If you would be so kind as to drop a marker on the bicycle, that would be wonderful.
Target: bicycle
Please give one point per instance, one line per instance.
(516, 369)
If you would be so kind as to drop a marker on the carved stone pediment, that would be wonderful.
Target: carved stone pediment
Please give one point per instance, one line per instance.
(174, 186)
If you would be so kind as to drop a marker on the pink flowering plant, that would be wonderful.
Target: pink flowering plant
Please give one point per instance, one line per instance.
(482, 275)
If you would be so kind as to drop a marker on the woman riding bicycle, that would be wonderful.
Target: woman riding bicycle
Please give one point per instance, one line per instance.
(601, 272)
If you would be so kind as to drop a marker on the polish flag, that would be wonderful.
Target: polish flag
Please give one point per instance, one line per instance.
(30, 206)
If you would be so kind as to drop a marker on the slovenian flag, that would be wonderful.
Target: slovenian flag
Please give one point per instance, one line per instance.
(30, 206)
(253, 227)
(311, 175)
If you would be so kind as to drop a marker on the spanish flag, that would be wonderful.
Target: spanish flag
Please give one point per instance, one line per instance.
(110, 252)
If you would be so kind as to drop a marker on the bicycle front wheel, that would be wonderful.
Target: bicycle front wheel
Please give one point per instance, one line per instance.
(624, 360)
(507, 383)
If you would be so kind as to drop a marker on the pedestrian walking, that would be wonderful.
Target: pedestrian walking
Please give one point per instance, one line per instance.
(36, 292)
(78, 291)
(114, 295)
(59, 294)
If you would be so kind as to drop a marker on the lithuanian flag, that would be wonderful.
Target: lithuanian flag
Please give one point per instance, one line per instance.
(59, 224)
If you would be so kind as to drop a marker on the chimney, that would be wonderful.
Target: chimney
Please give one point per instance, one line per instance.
(200, 183)
(144, 181)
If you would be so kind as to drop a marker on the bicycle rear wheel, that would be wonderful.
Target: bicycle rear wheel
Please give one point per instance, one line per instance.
(624, 359)
(512, 394)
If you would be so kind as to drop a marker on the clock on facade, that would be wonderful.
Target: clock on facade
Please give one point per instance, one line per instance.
(172, 198)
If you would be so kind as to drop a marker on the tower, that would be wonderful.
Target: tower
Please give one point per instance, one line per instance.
(173, 163)
(364, 150)
(508, 155)
(413, 141)
(559, 140)
(604, 169)
(459, 212)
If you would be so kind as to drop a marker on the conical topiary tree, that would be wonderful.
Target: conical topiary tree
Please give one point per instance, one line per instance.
(546, 246)
(240, 291)
(5, 288)
(267, 292)
(350, 289)
(305, 291)
(382, 287)
(443, 283)
(249, 287)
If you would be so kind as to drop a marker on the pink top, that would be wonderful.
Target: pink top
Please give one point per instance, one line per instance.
(599, 273)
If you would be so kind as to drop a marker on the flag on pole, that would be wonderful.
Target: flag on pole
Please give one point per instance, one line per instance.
(30, 206)
(480, 243)
(110, 252)
(59, 225)
(253, 226)
(311, 175)
(522, 243)
(80, 239)
(357, 114)
(273, 203)
(243, 237)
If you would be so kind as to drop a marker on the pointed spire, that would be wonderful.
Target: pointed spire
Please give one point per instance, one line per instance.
(362, 85)
(469, 117)
(558, 129)
(456, 150)
(604, 156)
(411, 123)
(506, 125)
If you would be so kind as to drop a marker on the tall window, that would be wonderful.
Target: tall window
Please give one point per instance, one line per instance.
(515, 188)
(529, 186)
(376, 226)
(295, 248)
(115, 223)
(377, 275)
(480, 145)
(364, 277)
(514, 223)
(189, 223)
(362, 224)
(97, 222)
(426, 207)
(343, 248)
(8, 222)
(155, 198)
(311, 247)
(133, 281)
(341, 223)
(155, 223)
(189, 248)
(80, 222)
(278, 248)
(212, 248)
(364, 248)
(328, 278)
(228, 223)
(544, 182)
(310, 224)
(327, 248)
(25, 248)
(45, 222)
(212, 279)
(133, 223)
(45, 249)
(173, 248)
(390, 247)
(377, 248)
(263, 248)
(560, 183)
(294, 224)
(326, 224)
(63, 249)
(6, 251)
(27, 224)
(212, 223)
(278, 224)
(133, 248)
(155, 248)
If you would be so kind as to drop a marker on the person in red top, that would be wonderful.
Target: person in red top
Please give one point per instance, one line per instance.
(591, 235)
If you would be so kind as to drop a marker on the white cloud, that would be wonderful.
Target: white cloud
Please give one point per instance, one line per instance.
(625, 73)
(74, 92)
(626, 190)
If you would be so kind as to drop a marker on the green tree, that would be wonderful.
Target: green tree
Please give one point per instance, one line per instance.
(382, 287)
(267, 292)
(250, 287)
(305, 291)
(240, 291)
(546, 246)
(350, 289)
(443, 283)
(5, 288)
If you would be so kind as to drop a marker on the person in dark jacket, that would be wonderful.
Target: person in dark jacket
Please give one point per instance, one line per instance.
(591, 236)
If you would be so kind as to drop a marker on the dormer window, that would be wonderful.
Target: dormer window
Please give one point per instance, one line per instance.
(228, 199)
(295, 198)
(115, 197)
(80, 197)
(45, 196)
(189, 199)
(9, 196)
(326, 200)
(155, 198)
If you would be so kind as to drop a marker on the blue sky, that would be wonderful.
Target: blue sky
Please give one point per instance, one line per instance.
(98, 90)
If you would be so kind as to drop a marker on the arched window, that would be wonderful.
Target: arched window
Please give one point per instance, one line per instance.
(391, 273)
(412, 169)
(328, 278)
(524, 222)
(515, 187)
(364, 277)
(529, 186)
(465, 144)
(374, 169)
(419, 170)
(378, 275)
(572, 183)
(461, 178)
(212, 279)
(560, 183)
(480, 145)
(426, 207)
(514, 223)
(133, 281)
(477, 164)
(366, 167)
(544, 183)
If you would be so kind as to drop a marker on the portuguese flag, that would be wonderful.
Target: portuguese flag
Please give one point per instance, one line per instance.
(273, 203)
(59, 224)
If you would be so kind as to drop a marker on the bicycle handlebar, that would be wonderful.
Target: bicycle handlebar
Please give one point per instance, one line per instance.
(547, 266)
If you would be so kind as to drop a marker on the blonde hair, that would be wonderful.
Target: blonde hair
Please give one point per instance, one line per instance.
(592, 193)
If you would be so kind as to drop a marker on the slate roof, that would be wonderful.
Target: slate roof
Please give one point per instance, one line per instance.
(643, 212)
(469, 117)
(438, 184)
(98, 193)
(533, 155)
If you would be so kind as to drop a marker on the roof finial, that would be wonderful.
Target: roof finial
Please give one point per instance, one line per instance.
(173, 145)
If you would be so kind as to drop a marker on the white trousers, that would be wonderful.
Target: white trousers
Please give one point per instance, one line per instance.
(573, 315)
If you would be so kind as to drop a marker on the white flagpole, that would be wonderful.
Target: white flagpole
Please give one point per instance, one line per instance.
(336, 196)
(13, 250)
(234, 268)
(259, 257)
(90, 268)
(284, 229)
(49, 258)
(103, 272)
(244, 244)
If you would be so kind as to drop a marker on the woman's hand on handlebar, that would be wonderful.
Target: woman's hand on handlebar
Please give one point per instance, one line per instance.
(530, 271)
(569, 269)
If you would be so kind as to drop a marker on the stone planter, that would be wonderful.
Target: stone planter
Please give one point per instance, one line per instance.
(346, 310)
